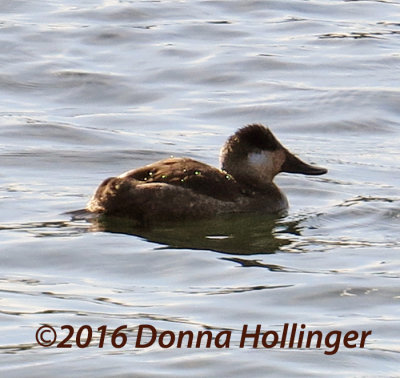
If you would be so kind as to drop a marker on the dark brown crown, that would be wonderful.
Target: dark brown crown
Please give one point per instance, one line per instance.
(254, 137)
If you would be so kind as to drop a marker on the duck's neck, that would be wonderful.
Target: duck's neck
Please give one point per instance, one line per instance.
(263, 196)
(252, 184)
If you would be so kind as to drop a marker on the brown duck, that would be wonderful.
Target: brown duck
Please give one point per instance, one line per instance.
(183, 188)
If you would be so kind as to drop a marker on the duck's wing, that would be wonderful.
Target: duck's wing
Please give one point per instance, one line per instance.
(190, 174)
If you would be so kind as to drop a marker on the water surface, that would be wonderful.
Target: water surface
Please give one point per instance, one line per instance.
(91, 89)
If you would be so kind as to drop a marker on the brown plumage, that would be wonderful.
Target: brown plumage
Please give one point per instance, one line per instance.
(182, 188)
(189, 174)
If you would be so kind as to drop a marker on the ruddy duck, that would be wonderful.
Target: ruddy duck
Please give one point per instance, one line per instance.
(183, 188)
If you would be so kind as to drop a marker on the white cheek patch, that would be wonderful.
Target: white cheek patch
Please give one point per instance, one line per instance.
(259, 159)
(262, 164)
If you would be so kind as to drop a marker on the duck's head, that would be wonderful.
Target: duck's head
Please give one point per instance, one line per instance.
(254, 156)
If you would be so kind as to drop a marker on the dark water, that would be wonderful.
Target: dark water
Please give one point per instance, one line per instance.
(91, 89)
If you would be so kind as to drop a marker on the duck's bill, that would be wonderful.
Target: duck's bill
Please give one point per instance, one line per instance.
(293, 164)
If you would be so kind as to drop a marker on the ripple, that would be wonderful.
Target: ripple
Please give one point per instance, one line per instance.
(359, 222)
(48, 228)
(352, 35)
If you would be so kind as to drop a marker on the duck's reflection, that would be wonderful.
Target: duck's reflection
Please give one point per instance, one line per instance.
(244, 234)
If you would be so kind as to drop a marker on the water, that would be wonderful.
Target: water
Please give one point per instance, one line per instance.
(91, 89)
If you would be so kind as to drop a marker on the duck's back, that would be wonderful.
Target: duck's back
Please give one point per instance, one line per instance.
(189, 174)
(175, 188)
